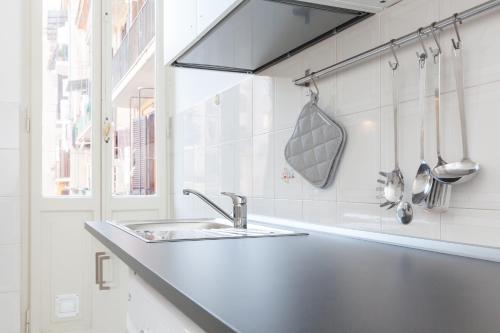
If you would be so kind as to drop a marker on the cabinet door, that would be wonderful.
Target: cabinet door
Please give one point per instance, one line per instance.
(179, 25)
(209, 11)
(150, 312)
(110, 294)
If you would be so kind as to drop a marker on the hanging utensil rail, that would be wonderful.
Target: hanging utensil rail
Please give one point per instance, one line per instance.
(398, 42)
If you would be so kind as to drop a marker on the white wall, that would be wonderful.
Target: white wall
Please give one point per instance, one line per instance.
(237, 144)
(11, 25)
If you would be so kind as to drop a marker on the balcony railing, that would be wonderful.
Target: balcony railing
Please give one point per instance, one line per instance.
(140, 34)
(83, 126)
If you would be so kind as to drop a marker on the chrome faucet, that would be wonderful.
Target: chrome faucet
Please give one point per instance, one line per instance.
(239, 217)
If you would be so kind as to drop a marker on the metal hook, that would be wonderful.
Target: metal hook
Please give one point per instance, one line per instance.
(433, 32)
(393, 65)
(424, 55)
(458, 43)
(314, 95)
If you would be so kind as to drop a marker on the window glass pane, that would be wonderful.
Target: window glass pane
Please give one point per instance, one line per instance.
(67, 108)
(133, 97)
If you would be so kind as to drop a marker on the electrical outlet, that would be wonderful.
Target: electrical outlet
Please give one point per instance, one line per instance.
(67, 306)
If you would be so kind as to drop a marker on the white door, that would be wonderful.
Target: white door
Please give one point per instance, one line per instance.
(133, 156)
(75, 169)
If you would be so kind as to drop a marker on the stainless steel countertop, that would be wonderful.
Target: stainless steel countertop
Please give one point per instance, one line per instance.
(314, 283)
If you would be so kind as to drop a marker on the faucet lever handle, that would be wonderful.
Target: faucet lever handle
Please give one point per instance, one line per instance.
(237, 199)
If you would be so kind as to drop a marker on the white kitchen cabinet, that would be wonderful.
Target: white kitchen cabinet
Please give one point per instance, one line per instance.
(185, 20)
(179, 26)
(110, 292)
(150, 312)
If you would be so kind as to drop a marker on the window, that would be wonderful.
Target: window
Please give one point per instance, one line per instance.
(133, 97)
(67, 97)
(134, 160)
(67, 107)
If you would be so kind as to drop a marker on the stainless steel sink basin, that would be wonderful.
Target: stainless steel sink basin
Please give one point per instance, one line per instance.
(175, 230)
(174, 226)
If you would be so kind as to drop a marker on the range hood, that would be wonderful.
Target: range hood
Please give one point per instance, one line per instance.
(257, 34)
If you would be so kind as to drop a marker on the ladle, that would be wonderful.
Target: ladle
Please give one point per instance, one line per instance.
(466, 169)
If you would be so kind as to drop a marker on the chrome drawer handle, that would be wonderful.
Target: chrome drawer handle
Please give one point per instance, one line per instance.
(99, 280)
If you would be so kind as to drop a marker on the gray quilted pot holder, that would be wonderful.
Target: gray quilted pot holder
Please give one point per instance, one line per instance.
(316, 145)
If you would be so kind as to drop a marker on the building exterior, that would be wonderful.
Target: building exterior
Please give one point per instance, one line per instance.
(67, 138)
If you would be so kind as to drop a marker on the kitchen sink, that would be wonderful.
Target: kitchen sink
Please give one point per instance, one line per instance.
(175, 230)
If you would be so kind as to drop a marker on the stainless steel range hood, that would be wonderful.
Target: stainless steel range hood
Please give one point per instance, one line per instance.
(257, 34)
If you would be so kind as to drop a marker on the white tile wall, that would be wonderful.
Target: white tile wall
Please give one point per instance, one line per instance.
(258, 206)
(399, 20)
(213, 170)
(481, 63)
(319, 212)
(287, 183)
(246, 128)
(309, 192)
(288, 103)
(10, 80)
(236, 112)
(471, 226)
(10, 314)
(263, 165)
(321, 55)
(227, 167)
(11, 60)
(361, 216)
(243, 167)
(358, 89)
(263, 105)
(482, 119)
(10, 257)
(288, 209)
(361, 160)
(9, 217)
(9, 183)
(425, 224)
(9, 119)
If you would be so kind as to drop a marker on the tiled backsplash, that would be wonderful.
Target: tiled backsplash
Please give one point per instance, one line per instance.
(235, 140)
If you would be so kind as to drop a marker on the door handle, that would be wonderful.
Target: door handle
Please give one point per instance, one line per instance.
(97, 269)
(107, 129)
(99, 280)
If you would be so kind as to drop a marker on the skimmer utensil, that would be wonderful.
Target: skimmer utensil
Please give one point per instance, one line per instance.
(439, 196)
(393, 188)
